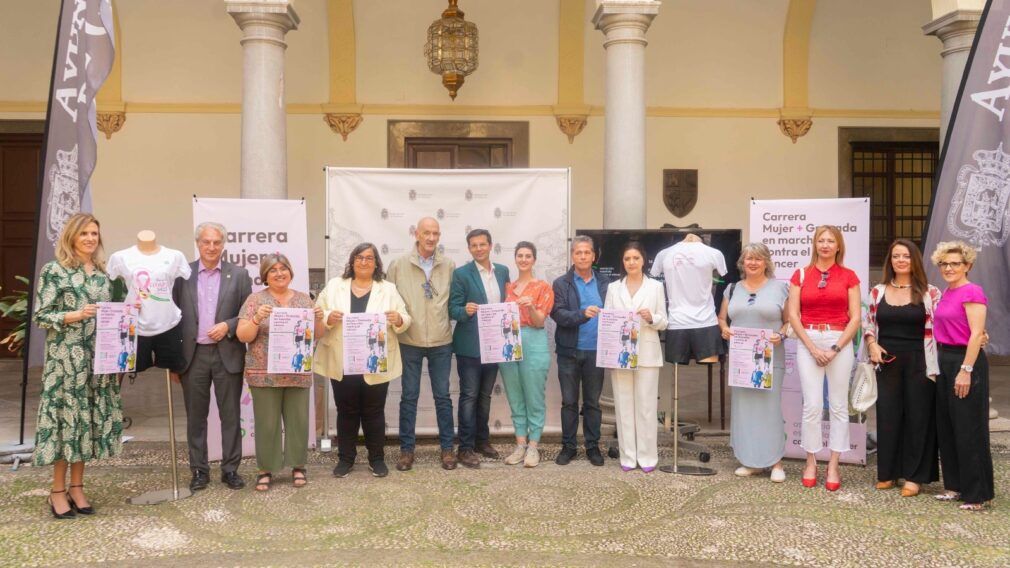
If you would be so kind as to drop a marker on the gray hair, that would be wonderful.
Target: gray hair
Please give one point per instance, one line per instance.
(210, 225)
(582, 239)
(757, 250)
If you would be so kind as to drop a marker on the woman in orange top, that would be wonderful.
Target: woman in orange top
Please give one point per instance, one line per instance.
(525, 380)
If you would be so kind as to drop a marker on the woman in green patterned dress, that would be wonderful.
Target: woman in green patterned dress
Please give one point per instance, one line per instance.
(80, 414)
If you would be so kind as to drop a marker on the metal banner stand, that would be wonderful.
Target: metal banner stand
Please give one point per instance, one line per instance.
(676, 467)
(175, 493)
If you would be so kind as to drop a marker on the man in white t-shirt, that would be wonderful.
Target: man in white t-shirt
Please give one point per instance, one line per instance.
(150, 276)
(693, 329)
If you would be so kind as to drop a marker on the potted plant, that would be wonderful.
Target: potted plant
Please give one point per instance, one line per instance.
(15, 307)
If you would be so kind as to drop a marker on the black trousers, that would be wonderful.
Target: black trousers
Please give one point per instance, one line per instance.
(360, 405)
(906, 420)
(963, 428)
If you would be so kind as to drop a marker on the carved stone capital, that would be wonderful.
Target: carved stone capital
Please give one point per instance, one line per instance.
(572, 126)
(795, 127)
(110, 122)
(343, 124)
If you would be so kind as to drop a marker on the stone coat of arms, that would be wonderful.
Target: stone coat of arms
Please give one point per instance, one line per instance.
(979, 213)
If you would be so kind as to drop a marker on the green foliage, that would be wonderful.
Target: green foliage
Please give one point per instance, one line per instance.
(15, 307)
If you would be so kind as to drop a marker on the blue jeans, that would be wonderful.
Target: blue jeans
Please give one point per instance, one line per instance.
(574, 372)
(476, 382)
(439, 365)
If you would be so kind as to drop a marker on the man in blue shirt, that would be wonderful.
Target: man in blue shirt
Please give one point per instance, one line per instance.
(578, 297)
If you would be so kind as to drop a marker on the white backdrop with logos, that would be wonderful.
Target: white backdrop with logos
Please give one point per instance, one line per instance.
(256, 227)
(382, 206)
(786, 226)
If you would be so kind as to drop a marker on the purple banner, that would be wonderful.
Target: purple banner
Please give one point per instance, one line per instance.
(971, 201)
(85, 48)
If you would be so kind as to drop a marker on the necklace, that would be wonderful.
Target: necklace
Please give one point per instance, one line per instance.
(900, 286)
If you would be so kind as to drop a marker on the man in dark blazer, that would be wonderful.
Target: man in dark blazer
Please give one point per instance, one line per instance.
(474, 283)
(578, 297)
(210, 300)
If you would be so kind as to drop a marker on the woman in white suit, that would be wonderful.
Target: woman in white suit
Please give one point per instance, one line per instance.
(361, 399)
(636, 390)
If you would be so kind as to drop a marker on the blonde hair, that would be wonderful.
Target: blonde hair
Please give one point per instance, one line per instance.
(837, 234)
(75, 225)
(967, 252)
(757, 250)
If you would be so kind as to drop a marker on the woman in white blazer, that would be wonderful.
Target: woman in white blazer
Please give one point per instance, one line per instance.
(636, 390)
(361, 398)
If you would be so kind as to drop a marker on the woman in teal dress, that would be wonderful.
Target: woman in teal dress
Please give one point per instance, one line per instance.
(80, 414)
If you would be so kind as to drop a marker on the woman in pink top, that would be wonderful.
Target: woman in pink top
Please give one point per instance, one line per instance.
(824, 310)
(962, 388)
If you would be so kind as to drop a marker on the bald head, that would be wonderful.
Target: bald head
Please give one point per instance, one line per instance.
(427, 235)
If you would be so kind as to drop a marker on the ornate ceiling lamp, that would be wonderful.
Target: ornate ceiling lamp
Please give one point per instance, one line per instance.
(451, 49)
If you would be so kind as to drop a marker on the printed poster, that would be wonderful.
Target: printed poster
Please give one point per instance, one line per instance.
(750, 358)
(500, 337)
(617, 339)
(365, 344)
(290, 346)
(115, 338)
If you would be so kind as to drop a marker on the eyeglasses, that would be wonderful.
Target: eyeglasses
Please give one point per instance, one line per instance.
(751, 298)
(951, 265)
(364, 259)
(429, 290)
(278, 270)
(824, 280)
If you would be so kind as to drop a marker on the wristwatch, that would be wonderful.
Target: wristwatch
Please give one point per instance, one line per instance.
(836, 348)
(967, 368)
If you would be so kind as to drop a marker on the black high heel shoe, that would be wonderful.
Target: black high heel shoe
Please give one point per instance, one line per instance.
(67, 515)
(75, 508)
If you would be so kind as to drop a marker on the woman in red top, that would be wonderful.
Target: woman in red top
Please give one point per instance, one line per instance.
(825, 311)
(525, 380)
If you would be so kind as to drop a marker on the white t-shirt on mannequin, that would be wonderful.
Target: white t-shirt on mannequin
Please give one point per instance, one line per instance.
(150, 278)
(687, 269)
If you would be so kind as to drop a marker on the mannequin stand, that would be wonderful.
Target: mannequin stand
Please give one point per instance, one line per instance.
(692, 446)
(175, 493)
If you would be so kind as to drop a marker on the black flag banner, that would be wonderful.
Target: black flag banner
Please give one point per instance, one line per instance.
(971, 199)
(83, 58)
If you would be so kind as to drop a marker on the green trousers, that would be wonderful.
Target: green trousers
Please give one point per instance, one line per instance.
(525, 382)
(271, 407)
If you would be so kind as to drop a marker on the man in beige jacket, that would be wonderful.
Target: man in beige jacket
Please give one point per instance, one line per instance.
(423, 277)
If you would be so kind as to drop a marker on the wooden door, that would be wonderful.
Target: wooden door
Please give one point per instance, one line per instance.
(458, 153)
(19, 171)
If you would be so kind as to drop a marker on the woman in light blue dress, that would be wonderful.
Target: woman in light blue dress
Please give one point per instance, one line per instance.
(757, 429)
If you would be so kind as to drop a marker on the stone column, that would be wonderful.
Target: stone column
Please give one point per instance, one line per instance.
(956, 30)
(624, 23)
(264, 24)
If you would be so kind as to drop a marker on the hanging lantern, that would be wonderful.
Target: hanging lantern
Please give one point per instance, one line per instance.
(451, 49)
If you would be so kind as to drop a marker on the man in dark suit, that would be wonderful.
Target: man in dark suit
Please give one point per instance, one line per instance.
(578, 297)
(210, 300)
(474, 283)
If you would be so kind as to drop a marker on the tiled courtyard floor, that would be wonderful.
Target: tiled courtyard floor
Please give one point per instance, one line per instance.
(577, 515)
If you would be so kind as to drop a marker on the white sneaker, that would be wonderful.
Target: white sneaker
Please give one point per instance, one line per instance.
(744, 471)
(516, 457)
(532, 457)
(778, 475)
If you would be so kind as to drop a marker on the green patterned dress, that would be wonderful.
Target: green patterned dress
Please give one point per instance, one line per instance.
(80, 414)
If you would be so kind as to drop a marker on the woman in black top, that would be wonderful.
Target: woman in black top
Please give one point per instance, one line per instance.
(899, 336)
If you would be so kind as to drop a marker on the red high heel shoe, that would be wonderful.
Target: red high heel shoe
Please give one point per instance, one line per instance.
(833, 485)
(810, 481)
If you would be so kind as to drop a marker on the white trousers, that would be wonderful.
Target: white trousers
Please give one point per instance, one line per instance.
(838, 372)
(636, 396)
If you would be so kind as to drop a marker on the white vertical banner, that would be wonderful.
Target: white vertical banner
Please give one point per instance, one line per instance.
(787, 227)
(256, 228)
(382, 206)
